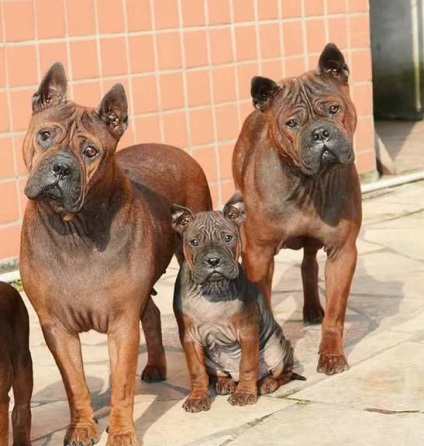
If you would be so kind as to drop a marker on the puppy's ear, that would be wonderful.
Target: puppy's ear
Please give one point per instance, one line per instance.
(332, 63)
(181, 217)
(113, 110)
(234, 208)
(262, 91)
(52, 89)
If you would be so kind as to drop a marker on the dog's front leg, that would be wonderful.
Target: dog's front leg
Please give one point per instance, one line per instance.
(339, 271)
(258, 261)
(124, 339)
(66, 349)
(247, 388)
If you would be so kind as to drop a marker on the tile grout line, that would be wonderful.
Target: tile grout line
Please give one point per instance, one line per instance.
(98, 49)
(281, 37)
(212, 96)
(186, 107)
(130, 95)
(159, 111)
(304, 37)
(67, 43)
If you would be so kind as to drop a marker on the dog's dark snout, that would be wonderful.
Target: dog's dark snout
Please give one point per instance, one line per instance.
(213, 261)
(61, 169)
(320, 134)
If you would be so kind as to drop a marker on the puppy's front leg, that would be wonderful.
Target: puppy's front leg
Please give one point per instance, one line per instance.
(198, 398)
(247, 388)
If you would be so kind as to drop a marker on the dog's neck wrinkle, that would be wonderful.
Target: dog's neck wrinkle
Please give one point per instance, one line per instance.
(326, 190)
(217, 291)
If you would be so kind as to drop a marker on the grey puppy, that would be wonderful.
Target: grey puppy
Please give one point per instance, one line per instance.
(227, 330)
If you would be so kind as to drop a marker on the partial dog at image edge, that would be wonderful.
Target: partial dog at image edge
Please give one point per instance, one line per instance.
(227, 330)
(15, 367)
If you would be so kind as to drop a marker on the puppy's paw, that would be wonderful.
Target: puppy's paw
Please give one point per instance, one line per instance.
(240, 398)
(225, 386)
(197, 403)
(268, 385)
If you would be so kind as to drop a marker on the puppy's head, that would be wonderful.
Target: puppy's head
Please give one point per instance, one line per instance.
(211, 240)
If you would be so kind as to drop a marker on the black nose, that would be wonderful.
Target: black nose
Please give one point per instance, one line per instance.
(213, 261)
(61, 169)
(320, 134)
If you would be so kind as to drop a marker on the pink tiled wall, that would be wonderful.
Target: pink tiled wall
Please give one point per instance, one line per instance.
(186, 66)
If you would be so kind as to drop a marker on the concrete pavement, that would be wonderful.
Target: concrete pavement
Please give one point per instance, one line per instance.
(379, 401)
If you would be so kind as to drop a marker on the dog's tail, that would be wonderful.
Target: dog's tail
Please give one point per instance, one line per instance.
(295, 376)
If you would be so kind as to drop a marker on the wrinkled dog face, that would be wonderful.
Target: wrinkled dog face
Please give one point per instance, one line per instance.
(211, 240)
(67, 146)
(311, 117)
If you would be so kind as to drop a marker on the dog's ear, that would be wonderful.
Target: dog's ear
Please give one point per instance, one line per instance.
(181, 217)
(262, 91)
(332, 63)
(113, 110)
(52, 89)
(234, 208)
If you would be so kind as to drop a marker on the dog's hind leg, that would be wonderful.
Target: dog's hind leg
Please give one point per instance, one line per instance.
(5, 384)
(22, 391)
(155, 369)
(313, 312)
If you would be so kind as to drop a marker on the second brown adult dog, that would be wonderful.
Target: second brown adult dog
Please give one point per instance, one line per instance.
(293, 162)
(15, 367)
(96, 237)
(227, 330)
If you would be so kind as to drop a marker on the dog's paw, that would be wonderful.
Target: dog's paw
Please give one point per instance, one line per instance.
(313, 315)
(81, 435)
(332, 363)
(225, 386)
(154, 373)
(268, 385)
(242, 398)
(197, 404)
(129, 439)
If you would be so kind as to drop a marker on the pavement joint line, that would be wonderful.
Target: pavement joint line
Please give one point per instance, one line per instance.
(392, 412)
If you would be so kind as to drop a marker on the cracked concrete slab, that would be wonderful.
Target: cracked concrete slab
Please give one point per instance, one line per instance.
(323, 425)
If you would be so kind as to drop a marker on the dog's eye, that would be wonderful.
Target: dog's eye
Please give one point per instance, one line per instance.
(334, 109)
(291, 123)
(194, 242)
(90, 152)
(45, 135)
(228, 238)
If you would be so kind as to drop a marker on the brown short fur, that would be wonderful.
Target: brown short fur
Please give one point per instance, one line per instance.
(293, 163)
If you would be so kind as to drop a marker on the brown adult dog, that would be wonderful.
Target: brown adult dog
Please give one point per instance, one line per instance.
(293, 162)
(226, 328)
(15, 367)
(95, 240)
